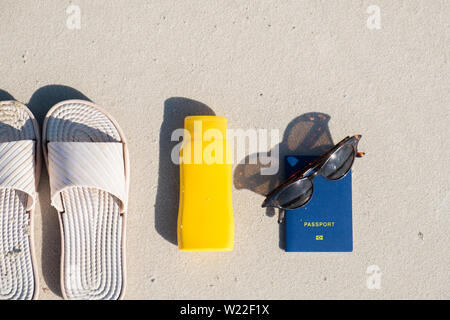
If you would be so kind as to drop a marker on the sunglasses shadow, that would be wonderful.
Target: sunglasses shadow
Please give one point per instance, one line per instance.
(306, 135)
(166, 204)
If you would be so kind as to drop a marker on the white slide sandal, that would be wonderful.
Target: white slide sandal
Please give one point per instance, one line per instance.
(20, 164)
(87, 160)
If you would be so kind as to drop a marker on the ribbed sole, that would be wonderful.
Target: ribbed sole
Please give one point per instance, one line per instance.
(91, 223)
(17, 278)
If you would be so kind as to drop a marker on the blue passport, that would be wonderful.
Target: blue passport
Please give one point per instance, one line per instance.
(324, 224)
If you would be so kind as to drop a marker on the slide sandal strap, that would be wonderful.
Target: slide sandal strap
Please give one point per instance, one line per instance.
(86, 164)
(17, 168)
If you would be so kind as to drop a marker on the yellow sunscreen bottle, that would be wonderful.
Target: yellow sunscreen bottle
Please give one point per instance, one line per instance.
(205, 215)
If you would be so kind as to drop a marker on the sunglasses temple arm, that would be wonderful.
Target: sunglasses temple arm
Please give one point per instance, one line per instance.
(281, 215)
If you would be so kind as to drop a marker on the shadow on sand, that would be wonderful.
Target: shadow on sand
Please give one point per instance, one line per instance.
(166, 206)
(307, 134)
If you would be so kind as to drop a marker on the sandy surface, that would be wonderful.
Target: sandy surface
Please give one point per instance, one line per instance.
(262, 64)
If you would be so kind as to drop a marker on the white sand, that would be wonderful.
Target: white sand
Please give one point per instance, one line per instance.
(261, 64)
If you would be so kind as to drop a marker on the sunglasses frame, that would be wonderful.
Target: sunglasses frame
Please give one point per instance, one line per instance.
(312, 170)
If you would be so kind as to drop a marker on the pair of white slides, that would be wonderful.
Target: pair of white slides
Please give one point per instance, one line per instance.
(87, 160)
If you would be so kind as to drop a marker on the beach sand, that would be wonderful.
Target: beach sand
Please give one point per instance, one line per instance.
(313, 70)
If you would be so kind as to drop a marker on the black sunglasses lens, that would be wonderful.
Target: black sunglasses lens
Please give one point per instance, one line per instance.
(339, 162)
(296, 194)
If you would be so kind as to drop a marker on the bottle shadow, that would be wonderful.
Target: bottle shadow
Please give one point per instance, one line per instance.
(307, 134)
(166, 205)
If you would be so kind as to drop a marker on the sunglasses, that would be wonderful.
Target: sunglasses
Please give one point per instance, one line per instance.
(333, 165)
